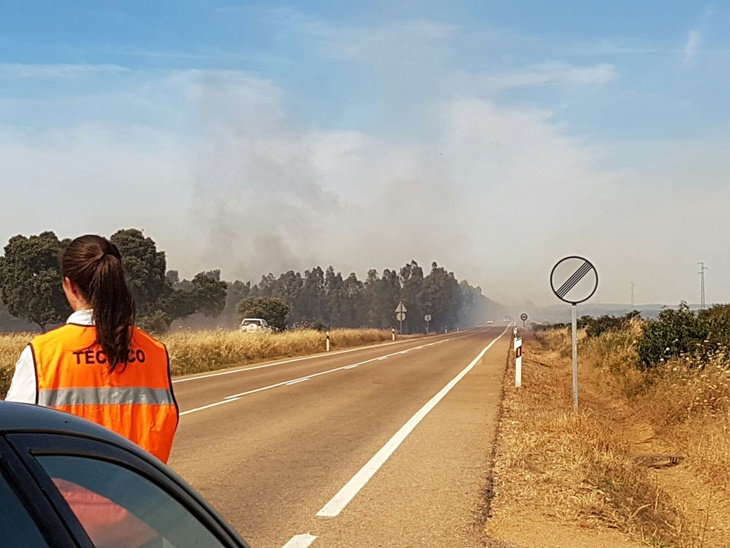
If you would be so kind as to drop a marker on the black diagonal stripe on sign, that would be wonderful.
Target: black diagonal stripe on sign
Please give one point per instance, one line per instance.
(571, 282)
(576, 276)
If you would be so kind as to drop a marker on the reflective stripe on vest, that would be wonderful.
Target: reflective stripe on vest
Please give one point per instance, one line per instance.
(105, 396)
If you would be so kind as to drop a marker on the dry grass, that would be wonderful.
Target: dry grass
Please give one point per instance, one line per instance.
(689, 408)
(607, 465)
(11, 345)
(685, 403)
(197, 351)
(192, 352)
(577, 469)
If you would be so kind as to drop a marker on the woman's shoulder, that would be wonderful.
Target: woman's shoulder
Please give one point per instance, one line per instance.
(57, 334)
(141, 336)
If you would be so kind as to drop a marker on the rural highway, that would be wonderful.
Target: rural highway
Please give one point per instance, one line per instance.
(385, 445)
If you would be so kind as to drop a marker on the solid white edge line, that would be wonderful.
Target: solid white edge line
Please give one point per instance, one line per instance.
(313, 375)
(295, 381)
(300, 541)
(302, 358)
(236, 397)
(292, 360)
(358, 481)
(207, 406)
(263, 366)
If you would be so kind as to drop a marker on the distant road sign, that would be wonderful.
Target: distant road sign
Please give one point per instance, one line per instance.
(401, 307)
(427, 318)
(400, 316)
(523, 317)
(574, 279)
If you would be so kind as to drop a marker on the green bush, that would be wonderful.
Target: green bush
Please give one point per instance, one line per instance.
(596, 327)
(681, 332)
(716, 324)
(537, 327)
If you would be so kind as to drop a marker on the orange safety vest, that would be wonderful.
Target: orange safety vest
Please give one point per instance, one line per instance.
(136, 401)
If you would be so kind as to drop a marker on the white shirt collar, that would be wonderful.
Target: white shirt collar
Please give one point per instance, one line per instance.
(82, 317)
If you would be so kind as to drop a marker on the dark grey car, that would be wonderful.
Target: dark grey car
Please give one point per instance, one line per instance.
(67, 482)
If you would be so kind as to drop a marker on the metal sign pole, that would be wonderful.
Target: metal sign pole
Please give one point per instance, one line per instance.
(574, 310)
(574, 280)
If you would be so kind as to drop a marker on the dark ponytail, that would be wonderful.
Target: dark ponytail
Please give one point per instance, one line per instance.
(94, 264)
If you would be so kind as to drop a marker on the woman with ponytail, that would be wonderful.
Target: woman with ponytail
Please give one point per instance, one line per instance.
(99, 365)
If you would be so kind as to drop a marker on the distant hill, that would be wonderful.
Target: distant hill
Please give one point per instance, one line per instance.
(559, 313)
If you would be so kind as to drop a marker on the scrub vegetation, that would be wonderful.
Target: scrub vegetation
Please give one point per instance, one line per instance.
(646, 456)
(198, 351)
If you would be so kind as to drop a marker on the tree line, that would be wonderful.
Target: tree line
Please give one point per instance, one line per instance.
(30, 282)
(30, 289)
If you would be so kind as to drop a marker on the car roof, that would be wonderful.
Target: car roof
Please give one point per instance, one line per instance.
(26, 417)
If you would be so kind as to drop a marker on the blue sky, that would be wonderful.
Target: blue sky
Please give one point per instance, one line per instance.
(492, 137)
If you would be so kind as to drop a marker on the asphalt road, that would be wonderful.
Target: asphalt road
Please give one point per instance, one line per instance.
(380, 446)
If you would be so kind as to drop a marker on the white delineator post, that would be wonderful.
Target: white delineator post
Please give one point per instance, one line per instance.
(392, 330)
(518, 362)
(328, 341)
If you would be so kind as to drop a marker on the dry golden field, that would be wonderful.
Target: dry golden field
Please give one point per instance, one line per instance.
(10, 347)
(192, 352)
(196, 351)
(645, 461)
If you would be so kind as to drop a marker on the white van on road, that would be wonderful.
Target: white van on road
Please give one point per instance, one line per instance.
(254, 324)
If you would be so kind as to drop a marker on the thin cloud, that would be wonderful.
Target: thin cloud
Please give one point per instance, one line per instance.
(550, 74)
(295, 20)
(611, 47)
(691, 46)
(206, 54)
(416, 41)
(20, 71)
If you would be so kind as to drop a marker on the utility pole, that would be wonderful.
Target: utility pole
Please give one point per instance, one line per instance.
(702, 284)
(632, 294)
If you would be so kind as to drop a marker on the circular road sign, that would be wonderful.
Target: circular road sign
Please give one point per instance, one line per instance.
(400, 316)
(427, 318)
(523, 317)
(574, 279)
